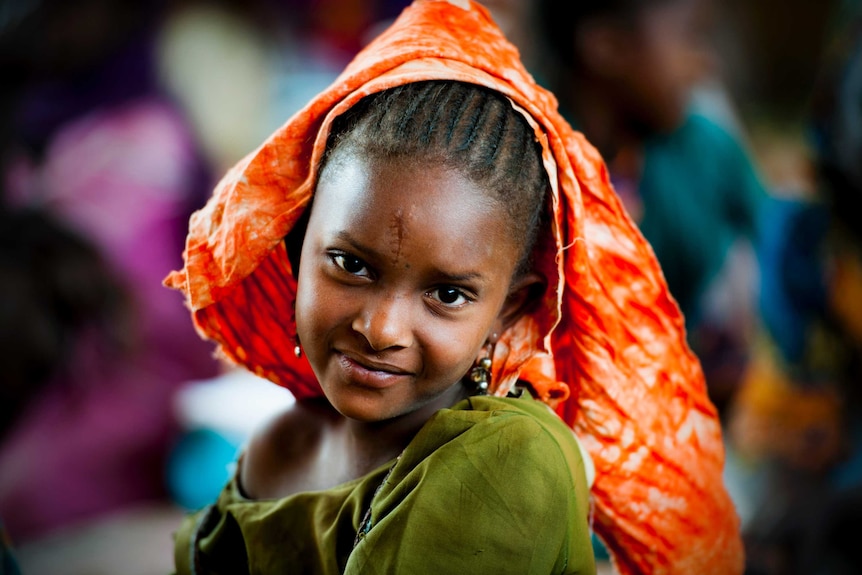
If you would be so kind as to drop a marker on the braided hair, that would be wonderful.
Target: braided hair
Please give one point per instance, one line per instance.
(466, 127)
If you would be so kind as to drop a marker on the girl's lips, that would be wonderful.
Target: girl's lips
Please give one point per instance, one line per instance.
(369, 374)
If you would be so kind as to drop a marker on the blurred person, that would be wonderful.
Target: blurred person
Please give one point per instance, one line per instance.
(626, 72)
(799, 411)
(62, 309)
(91, 144)
(56, 291)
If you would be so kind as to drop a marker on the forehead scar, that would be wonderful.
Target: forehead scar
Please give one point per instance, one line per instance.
(396, 229)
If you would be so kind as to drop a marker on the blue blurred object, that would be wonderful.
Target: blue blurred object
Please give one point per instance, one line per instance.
(199, 466)
(599, 550)
(218, 415)
(8, 564)
(793, 280)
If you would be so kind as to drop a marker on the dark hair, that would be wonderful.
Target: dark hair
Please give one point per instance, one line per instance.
(559, 20)
(55, 288)
(836, 131)
(463, 126)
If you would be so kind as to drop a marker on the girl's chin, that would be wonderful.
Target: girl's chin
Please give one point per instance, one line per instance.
(381, 407)
(365, 409)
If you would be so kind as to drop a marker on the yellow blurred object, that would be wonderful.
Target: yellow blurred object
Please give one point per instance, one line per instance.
(846, 293)
(772, 417)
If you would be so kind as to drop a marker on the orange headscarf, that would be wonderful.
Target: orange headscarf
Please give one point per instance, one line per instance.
(634, 393)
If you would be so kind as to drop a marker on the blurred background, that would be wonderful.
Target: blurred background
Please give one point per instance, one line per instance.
(733, 134)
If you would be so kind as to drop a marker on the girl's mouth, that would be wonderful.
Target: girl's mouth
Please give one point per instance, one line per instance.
(368, 373)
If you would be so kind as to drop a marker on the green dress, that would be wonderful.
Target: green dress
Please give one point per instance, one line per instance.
(492, 485)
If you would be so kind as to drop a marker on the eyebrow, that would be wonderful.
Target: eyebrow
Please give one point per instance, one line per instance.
(465, 277)
(370, 252)
(347, 238)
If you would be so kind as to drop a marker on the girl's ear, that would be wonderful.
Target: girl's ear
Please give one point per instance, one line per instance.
(522, 295)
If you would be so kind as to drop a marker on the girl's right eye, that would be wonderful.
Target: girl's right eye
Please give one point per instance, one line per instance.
(350, 264)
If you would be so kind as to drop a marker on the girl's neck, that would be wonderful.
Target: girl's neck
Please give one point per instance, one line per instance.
(372, 444)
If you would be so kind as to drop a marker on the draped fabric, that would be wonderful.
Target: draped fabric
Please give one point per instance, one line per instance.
(606, 348)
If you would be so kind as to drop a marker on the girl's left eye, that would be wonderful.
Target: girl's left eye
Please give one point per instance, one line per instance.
(449, 296)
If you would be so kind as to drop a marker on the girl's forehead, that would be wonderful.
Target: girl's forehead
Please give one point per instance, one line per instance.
(419, 176)
(405, 203)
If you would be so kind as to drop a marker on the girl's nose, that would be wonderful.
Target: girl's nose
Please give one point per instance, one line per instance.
(385, 322)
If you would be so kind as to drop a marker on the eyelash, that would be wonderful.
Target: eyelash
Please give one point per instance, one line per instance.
(340, 259)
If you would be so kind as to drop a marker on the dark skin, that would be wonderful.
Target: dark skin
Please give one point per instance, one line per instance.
(312, 447)
(309, 448)
(391, 317)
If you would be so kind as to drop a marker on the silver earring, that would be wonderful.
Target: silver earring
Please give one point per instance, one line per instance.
(297, 347)
(481, 374)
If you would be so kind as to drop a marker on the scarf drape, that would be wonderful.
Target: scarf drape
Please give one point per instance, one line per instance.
(606, 348)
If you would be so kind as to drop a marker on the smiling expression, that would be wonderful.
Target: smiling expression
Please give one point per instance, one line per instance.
(404, 277)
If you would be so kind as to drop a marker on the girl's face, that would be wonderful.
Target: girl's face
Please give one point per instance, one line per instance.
(404, 276)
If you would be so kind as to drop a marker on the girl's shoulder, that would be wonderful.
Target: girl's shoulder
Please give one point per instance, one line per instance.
(526, 429)
(282, 447)
(514, 415)
(524, 404)
(495, 485)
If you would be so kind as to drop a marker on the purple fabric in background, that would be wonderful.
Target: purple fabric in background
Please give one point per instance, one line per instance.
(97, 440)
(109, 155)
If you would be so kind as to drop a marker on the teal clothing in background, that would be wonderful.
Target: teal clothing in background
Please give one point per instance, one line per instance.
(8, 564)
(700, 193)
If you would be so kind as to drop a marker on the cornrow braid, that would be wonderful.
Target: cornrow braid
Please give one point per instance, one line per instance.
(463, 126)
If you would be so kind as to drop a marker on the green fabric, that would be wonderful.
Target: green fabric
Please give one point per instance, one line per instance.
(700, 193)
(492, 485)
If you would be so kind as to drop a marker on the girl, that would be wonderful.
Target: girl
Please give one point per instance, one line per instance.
(423, 256)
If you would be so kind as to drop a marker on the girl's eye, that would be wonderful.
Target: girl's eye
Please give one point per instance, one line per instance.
(350, 264)
(449, 296)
